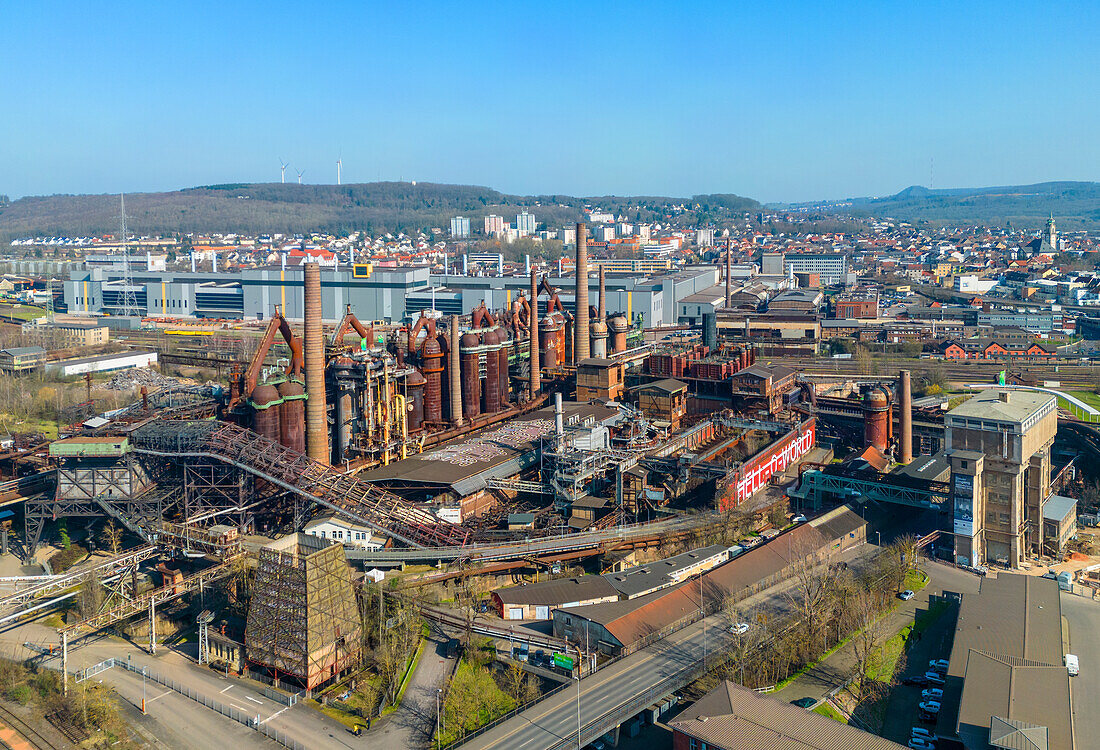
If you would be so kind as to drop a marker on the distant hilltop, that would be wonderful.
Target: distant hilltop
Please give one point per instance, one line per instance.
(374, 207)
(1076, 205)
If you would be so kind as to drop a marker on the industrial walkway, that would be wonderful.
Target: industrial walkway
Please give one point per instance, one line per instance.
(299, 474)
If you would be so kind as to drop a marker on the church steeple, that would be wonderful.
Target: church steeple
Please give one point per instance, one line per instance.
(1052, 233)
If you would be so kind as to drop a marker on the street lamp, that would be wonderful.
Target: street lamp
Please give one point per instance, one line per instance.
(578, 697)
(438, 727)
(878, 538)
(143, 690)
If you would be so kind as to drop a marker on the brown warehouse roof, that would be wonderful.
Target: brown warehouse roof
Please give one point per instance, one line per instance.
(730, 716)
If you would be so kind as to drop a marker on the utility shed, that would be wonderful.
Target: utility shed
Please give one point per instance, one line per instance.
(303, 621)
(599, 378)
(534, 601)
(664, 401)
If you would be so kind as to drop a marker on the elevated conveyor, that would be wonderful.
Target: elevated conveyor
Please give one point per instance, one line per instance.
(294, 472)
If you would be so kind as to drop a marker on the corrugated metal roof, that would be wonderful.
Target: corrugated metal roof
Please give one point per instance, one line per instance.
(1012, 616)
(731, 716)
(558, 592)
(1035, 696)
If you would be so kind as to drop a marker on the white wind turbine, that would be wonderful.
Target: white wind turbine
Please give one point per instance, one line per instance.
(282, 170)
(339, 163)
(300, 172)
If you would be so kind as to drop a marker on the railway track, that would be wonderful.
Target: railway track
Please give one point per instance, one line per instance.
(29, 733)
(1069, 375)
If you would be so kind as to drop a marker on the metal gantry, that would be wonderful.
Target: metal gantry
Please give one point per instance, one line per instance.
(299, 474)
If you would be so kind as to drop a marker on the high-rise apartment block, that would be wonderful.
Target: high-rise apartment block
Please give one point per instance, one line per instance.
(460, 227)
(494, 224)
(525, 224)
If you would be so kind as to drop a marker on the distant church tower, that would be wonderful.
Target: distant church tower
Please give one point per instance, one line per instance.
(1052, 234)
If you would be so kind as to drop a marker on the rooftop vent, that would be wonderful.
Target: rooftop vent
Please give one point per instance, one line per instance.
(1003, 396)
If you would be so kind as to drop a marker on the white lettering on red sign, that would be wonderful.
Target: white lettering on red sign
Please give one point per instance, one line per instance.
(756, 474)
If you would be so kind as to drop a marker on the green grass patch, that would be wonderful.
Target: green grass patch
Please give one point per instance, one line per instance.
(473, 700)
(915, 579)
(826, 709)
(348, 720)
(885, 663)
(22, 312)
(1088, 397)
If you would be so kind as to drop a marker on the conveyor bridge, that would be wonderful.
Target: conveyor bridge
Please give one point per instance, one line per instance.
(297, 473)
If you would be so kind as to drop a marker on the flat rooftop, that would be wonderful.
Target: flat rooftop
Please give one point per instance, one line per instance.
(988, 404)
(499, 451)
(934, 468)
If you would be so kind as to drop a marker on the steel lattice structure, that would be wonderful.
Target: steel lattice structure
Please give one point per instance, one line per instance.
(303, 620)
(297, 473)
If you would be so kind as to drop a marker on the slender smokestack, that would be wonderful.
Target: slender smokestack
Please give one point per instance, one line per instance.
(559, 416)
(905, 447)
(728, 296)
(580, 324)
(316, 406)
(600, 315)
(456, 376)
(533, 339)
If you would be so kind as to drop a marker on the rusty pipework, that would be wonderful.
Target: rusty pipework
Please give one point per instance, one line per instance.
(317, 438)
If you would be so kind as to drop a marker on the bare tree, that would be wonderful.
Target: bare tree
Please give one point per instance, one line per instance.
(112, 537)
(869, 638)
(809, 595)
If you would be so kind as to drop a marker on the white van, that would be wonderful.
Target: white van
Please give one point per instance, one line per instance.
(1072, 665)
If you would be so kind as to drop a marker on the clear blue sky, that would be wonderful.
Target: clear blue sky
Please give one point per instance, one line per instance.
(794, 101)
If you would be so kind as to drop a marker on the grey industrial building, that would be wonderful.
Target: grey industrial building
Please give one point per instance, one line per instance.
(1007, 675)
(374, 292)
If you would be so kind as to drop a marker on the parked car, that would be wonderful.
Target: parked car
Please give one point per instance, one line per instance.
(799, 519)
(920, 743)
(739, 628)
(934, 678)
(922, 732)
(930, 707)
(934, 694)
(906, 595)
(940, 665)
(804, 702)
(917, 679)
(1073, 665)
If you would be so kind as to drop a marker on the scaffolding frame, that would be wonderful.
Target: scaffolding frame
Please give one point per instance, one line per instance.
(304, 618)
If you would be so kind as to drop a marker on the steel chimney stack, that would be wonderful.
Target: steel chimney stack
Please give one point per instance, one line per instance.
(533, 339)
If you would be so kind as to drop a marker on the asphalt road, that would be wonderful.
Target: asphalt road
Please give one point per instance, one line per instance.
(556, 718)
(1083, 616)
(198, 724)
